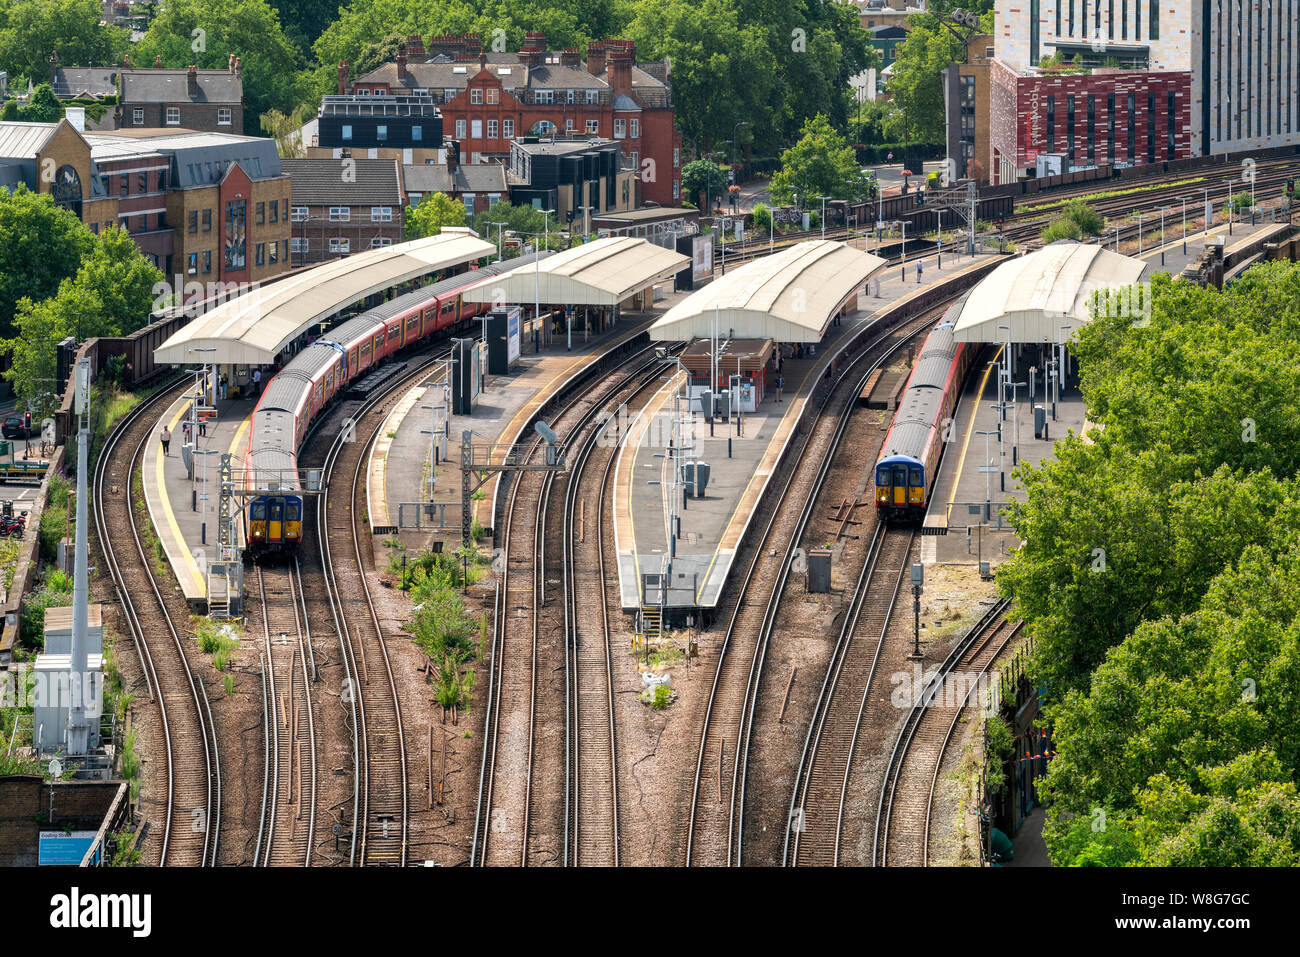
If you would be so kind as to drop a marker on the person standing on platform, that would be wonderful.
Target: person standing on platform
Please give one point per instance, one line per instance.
(165, 437)
(223, 386)
(918, 272)
(257, 381)
(780, 384)
(185, 431)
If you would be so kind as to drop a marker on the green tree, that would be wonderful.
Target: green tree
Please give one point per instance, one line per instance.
(43, 246)
(530, 224)
(110, 295)
(44, 106)
(701, 175)
(916, 85)
(205, 32)
(435, 211)
(286, 130)
(821, 164)
(30, 30)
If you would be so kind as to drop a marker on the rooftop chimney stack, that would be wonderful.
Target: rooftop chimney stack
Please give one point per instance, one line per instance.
(620, 71)
(54, 67)
(401, 62)
(570, 57)
(192, 81)
(595, 58)
(453, 160)
(415, 46)
(230, 63)
(343, 77)
(239, 66)
(126, 61)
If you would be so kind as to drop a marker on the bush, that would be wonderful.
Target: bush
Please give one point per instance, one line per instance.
(1087, 219)
(55, 522)
(1061, 229)
(55, 593)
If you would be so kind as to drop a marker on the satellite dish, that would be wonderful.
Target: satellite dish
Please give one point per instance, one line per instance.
(545, 431)
(56, 768)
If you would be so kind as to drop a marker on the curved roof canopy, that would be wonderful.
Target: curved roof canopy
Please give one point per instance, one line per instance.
(254, 327)
(1038, 296)
(790, 296)
(600, 273)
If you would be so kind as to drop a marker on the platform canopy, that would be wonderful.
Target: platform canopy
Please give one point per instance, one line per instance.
(253, 328)
(790, 296)
(1044, 296)
(604, 272)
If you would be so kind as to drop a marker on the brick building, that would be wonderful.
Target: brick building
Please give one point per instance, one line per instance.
(487, 99)
(206, 206)
(336, 210)
(193, 99)
(478, 186)
(1143, 81)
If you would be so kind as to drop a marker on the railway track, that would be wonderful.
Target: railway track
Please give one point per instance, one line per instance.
(522, 818)
(592, 732)
(822, 781)
(715, 823)
(906, 806)
(289, 792)
(191, 825)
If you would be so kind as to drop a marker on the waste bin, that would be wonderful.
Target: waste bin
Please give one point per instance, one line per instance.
(1040, 420)
(696, 477)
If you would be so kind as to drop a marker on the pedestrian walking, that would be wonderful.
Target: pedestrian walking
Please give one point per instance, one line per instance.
(918, 271)
(165, 436)
(203, 426)
(257, 381)
(185, 430)
(780, 384)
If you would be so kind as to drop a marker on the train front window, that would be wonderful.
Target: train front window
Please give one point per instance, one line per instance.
(900, 475)
(917, 480)
(259, 511)
(882, 476)
(291, 512)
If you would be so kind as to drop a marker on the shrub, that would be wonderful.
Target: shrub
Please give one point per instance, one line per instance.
(1061, 229)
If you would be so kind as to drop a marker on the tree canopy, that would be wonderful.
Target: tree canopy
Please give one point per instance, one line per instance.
(822, 163)
(44, 245)
(530, 224)
(1160, 577)
(916, 85)
(435, 211)
(30, 30)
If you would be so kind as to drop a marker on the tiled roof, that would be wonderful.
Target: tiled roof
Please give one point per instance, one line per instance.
(171, 86)
(320, 182)
(71, 81)
(474, 178)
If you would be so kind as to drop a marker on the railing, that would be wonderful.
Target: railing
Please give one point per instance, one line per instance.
(379, 106)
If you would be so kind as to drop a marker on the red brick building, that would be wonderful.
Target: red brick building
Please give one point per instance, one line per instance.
(1110, 116)
(488, 99)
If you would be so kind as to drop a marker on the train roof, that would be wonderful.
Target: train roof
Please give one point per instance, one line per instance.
(273, 465)
(907, 437)
(357, 327)
(410, 300)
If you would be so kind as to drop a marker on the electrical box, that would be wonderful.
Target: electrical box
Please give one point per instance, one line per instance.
(819, 570)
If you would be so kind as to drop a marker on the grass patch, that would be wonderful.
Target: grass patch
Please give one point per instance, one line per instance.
(1103, 194)
(153, 547)
(9, 560)
(218, 639)
(55, 592)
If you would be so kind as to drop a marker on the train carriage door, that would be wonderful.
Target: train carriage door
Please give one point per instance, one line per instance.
(293, 519)
(275, 524)
(882, 485)
(900, 485)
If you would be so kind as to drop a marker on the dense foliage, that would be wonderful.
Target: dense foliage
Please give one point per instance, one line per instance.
(822, 163)
(1160, 576)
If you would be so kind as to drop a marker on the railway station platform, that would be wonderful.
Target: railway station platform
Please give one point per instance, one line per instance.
(712, 528)
(183, 507)
(398, 470)
(1239, 245)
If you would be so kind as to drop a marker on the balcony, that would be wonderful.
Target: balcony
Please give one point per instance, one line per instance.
(379, 106)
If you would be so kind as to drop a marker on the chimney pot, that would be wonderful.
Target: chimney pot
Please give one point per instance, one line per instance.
(192, 80)
(343, 77)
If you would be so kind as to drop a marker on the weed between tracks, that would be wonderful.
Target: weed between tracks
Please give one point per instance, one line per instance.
(218, 639)
(153, 547)
(443, 628)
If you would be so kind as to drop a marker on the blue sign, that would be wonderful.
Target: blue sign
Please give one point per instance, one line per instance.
(58, 849)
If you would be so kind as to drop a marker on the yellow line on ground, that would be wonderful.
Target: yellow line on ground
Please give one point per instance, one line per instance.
(970, 430)
(190, 565)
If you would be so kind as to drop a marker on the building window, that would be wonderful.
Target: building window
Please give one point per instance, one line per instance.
(1110, 19)
(544, 97)
(340, 244)
(380, 241)
(275, 211)
(261, 213)
(593, 97)
(468, 200)
(298, 245)
(677, 187)
(236, 238)
(381, 133)
(1153, 21)
(142, 184)
(493, 95)
(417, 134)
(508, 129)
(634, 128)
(340, 214)
(677, 157)
(273, 254)
(1123, 19)
(620, 129)
(1069, 126)
(173, 116)
(1033, 32)
(261, 254)
(413, 199)
(223, 116)
(137, 116)
(162, 181)
(1171, 123)
(94, 228)
(381, 214)
(476, 97)
(593, 127)
(492, 129)
(125, 182)
(192, 264)
(1110, 128)
(207, 261)
(207, 220)
(636, 160)
(1051, 124)
(476, 129)
(1132, 128)
(568, 124)
(194, 221)
(460, 129)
